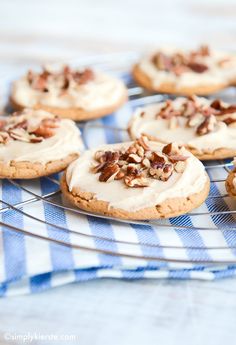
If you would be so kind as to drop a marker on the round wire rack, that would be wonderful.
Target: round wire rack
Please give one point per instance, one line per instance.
(208, 233)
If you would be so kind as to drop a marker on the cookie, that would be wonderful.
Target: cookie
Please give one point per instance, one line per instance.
(230, 183)
(75, 94)
(174, 71)
(205, 127)
(36, 143)
(136, 180)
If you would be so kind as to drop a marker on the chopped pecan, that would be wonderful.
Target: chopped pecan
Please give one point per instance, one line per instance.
(135, 169)
(157, 161)
(229, 121)
(170, 149)
(177, 158)
(83, 77)
(207, 126)
(197, 67)
(134, 158)
(180, 166)
(46, 128)
(136, 182)
(162, 61)
(107, 156)
(228, 110)
(162, 173)
(120, 175)
(167, 111)
(194, 120)
(146, 163)
(19, 134)
(109, 171)
(189, 108)
(216, 104)
(204, 50)
(40, 81)
(143, 141)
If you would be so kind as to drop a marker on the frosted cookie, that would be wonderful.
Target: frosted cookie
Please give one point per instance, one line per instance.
(207, 128)
(202, 72)
(75, 94)
(136, 180)
(230, 183)
(36, 143)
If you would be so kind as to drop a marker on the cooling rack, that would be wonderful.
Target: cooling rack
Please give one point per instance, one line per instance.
(208, 233)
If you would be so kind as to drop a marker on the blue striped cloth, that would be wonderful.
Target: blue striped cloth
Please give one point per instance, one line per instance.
(30, 265)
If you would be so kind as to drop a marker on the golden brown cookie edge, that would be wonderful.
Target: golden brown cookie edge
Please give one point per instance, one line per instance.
(169, 208)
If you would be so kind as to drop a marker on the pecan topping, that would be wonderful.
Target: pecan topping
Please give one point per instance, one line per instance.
(108, 171)
(229, 121)
(179, 63)
(197, 67)
(136, 165)
(21, 129)
(62, 80)
(196, 114)
(207, 126)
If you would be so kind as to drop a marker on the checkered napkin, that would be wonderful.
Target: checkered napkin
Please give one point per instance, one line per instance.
(28, 264)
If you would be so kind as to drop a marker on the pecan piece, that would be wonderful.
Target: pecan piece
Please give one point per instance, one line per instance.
(194, 120)
(170, 149)
(207, 126)
(46, 128)
(83, 77)
(180, 166)
(178, 158)
(157, 161)
(107, 156)
(197, 67)
(143, 141)
(136, 182)
(162, 61)
(19, 134)
(162, 173)
(109, 171)
(134, 158)
(229, 121)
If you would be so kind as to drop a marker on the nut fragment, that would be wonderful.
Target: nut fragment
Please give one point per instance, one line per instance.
(46, 128)
(108, 171)
(180, 166)
(143, 141)
(207, 126)
(136, 182)
(134, 158)
(194, 120)
(135, 167)
(163, 173)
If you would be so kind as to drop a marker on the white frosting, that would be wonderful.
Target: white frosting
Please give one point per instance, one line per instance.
(118, 195)
(66, 141)
(222, 137)
(103, 91)
(213, 76)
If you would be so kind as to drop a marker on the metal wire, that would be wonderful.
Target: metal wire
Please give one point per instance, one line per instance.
(137, 97)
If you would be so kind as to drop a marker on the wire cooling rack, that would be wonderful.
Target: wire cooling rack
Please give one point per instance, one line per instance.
(216, 216)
